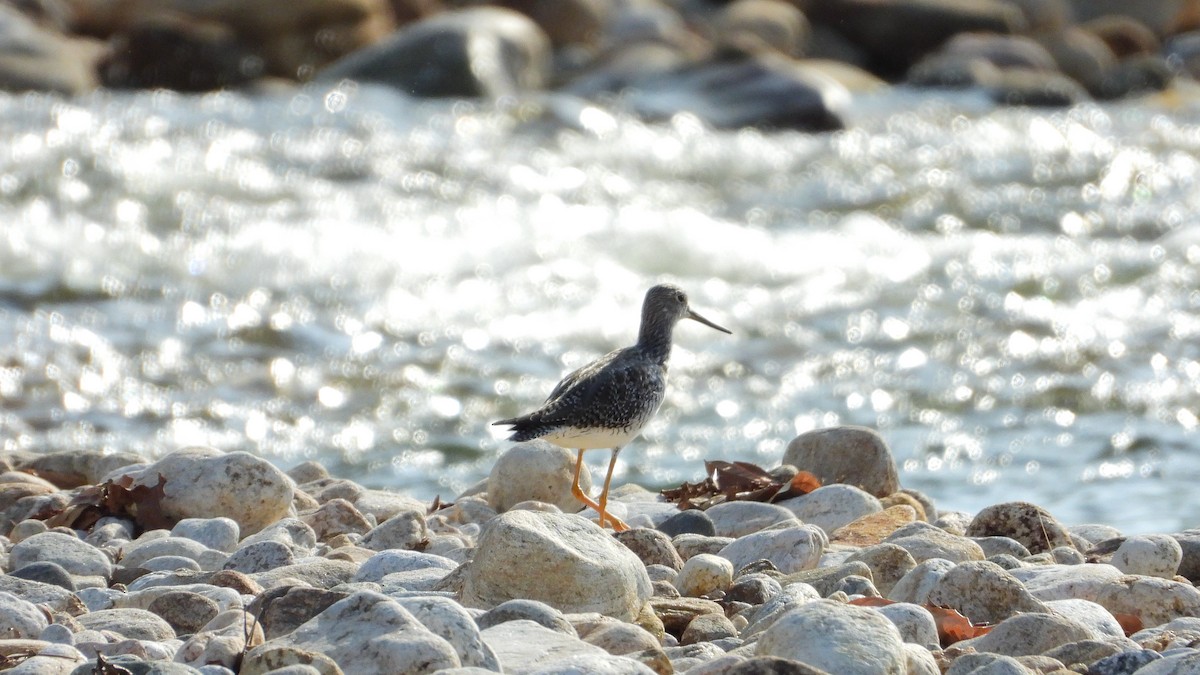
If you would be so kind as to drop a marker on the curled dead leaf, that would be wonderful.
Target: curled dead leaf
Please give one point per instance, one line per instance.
(738, 481)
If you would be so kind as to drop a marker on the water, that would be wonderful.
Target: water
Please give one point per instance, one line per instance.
(1010, 296)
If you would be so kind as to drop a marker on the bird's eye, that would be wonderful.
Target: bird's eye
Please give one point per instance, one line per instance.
(680, 297)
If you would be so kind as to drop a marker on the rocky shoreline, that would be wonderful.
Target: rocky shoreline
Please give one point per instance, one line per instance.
(760, 63)
(217, 563)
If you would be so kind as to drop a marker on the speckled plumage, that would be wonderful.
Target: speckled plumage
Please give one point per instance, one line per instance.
(606, 403)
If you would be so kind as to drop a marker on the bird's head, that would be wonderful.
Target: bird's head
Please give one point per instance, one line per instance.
(668, 302)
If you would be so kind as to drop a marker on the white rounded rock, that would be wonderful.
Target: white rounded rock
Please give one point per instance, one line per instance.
(984, 592)
(790, 597)
(384, 563)
(739, 518)
(20, 618)
(704, 573)
(1153, 555)
(221, 534)
(141, 550)
(222, 640)
(366, 632)
(832, 506)
(790, 549)
(919, 660)
(925, 541)
(136, 624)
(1028, 634)
(535, 470)
(915, 623)
(1090, 614)
(562, 560)
(206, 483)
(451, 621)
(919, 582)
(838, 638)
(1061, 582)
(77, 557)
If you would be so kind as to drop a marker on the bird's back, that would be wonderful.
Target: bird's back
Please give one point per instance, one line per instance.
(608, 400)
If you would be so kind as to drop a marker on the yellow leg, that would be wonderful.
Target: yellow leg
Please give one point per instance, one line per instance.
(578, 491)
(617, 524)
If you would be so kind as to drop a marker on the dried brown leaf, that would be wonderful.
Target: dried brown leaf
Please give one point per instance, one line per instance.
(1130, 623)
(953, 626)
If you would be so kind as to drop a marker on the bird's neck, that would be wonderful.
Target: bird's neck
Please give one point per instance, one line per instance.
(655, 340)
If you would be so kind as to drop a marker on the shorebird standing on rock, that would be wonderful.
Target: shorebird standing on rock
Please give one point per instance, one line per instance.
(606, 403)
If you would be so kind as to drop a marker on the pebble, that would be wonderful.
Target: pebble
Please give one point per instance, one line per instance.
(983, 592)
(184, 611)
(790, 549)
(1029, 524)
(887, 562)
(707, 628)
(1155, 555)
(924, 541)
(405, 530)
(207, 483)
(452, 622)
(827, 580)
(1099, 620)
(838, 638)
(388, 562)
(260, 556)
(137, 624)
(738, 518)
(220, 534)
(915, 623)
(531, 610)
(368, 632)
(703, 574)
(282, 610)
(1025, 634)
(691, 521)
(688, 545)
(222, 640)
(919, 582)
(45, 572)
(873, 528)
(291, 532)
(559, 559)
(20, 618)
(676, 613)
(336, 517)
(852, 455)
(147, 547)
(791, 597)
(86, 565)
(988, 664)
(652, 547)
(993, 546)
(830, 507)
(317, 572)
(524, 646)
(539, 471)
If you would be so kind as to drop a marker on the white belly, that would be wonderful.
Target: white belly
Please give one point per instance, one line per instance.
(585, 439)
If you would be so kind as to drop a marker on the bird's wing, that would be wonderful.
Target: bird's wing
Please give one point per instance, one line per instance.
(581, 384)
(601, 389)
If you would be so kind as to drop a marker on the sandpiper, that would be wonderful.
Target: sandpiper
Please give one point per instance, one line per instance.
(606, 403)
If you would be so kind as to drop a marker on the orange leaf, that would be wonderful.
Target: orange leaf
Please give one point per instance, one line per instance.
(953, 626)
(872, 602)
(1130, 623)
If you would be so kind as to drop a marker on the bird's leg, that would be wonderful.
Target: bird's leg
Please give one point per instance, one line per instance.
(617, 524)
(578, 491)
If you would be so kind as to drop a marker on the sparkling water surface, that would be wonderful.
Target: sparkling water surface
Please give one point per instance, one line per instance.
(1009, 295)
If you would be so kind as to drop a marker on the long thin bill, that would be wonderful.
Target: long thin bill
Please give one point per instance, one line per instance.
(696, 317)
